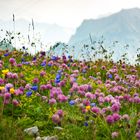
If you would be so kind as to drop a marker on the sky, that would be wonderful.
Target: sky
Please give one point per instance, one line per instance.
(66, 13)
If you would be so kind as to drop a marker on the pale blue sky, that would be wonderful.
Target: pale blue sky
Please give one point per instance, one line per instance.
(67, 13)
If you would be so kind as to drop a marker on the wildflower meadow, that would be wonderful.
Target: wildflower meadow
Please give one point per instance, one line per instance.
(52, 97)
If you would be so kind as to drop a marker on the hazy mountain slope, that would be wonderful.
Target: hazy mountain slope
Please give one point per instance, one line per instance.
(123, 26)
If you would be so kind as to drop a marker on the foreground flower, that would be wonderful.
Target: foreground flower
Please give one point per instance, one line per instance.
(28, 93)
(114, 135)
(110, 119)
(12, 90)
(56, 118)
(138, 135)
(5, 71)
(15, 102)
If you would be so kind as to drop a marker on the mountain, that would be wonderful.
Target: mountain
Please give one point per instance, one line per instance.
(122, 27)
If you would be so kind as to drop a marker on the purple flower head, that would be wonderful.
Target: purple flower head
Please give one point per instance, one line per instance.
(12, 61)
(7, 95)
(138, 123)
(35, 80)
(56, 118)
(138, 135)
(1, 81)
(89, 95)
(86, 102)
(52, 101)
(42, 73)
(8, 86)
(125, 117)
(116, 117)
(60, 113)
(95, 110)
(28, 86)
(15, 102)
(62, 98)
(115, 107)
(110, 119)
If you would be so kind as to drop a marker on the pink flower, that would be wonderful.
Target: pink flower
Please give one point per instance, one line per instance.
(115, 107)
(125, 117)
(12, 61)
(86, 102)
(56, 118)
(95, 110)
(28, 86)
(138, 123)
(60, 113)
(116, 117)
(89, 95)
(62, 98)
(42, 73)
(138, 135)
(114, 134)
(43, 87)
(52, 101)
(35, 80)
(110, 119)
(15, 102)
(7, 95)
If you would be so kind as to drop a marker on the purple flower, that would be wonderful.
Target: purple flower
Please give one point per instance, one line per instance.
(52, 101)
(12, 61)
(138, 135)
(42, 73)
(15, 102)
(115, 107)
(60, 113)
(56, 118)
(138, 123)
(125, 117)
(116, 117)
(62, 98)
(35, 80)
(7, 95)
(95, 110)
(110, 119)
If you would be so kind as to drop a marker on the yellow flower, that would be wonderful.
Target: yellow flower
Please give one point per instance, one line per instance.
(88, 107)
(12, 90)
(1, 88)
(5, 71)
